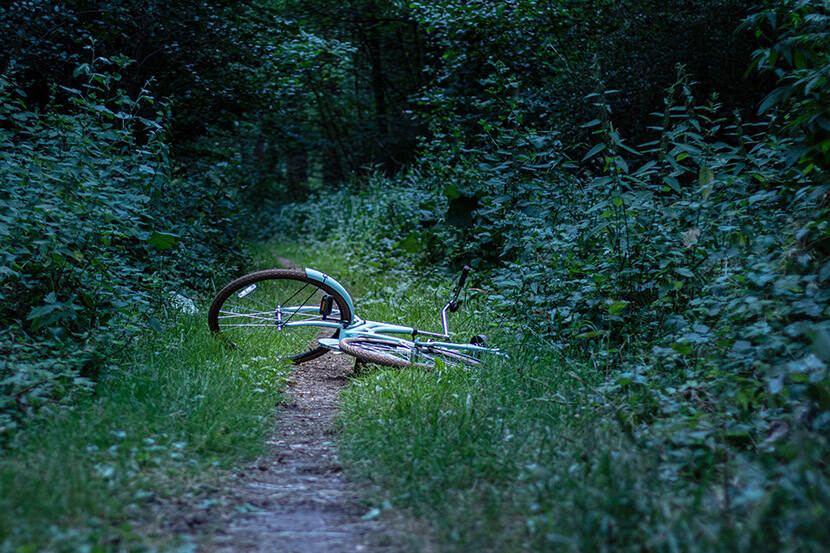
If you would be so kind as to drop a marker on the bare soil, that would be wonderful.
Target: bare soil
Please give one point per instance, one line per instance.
(296, 498)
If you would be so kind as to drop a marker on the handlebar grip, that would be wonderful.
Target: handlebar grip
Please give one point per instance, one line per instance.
(463, 278)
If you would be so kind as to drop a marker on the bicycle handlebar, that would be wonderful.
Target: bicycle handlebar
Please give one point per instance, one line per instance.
(454, 304)
(463, 278)
(464, 272)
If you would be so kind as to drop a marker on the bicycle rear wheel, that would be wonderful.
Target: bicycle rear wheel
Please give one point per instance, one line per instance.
(390, 353)
(282, 308)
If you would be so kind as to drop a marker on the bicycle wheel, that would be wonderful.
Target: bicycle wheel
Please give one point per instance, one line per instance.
(394, 354)
(280, 308)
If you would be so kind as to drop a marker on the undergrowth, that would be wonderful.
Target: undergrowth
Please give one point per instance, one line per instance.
(93, 476)
(98, 228)
(666, 305)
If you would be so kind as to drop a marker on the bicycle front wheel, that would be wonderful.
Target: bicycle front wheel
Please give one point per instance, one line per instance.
(390, 353)
(282, 308)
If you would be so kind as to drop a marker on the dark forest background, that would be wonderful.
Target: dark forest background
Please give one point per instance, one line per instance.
(642, 186)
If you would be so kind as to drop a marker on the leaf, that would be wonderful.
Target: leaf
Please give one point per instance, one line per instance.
(451, 192)
(821, 344)
(682, 348)
(163, 240)
(617, 307)
(411, 244)
(594, 151)
(81, 69)
(672, 183)
(772, 98)
(684, 271)
(776, 385)
(74, 91)
(43, 310)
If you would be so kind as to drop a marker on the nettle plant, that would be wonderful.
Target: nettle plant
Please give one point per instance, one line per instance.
(703, 252)
(798, 54)
(74, 199)
(90, 234)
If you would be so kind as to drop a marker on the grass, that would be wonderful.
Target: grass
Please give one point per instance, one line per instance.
(546, 453)
(182, 410)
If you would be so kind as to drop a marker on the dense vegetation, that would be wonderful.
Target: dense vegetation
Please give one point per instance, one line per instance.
(641, 186)
(664, 280)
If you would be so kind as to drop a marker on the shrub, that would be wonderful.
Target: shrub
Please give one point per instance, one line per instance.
(96, 227)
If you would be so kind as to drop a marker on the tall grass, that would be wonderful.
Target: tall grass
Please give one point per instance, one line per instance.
(546, 453)
(186, 408)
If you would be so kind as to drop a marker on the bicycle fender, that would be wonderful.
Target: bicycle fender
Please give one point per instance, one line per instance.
(334, 285)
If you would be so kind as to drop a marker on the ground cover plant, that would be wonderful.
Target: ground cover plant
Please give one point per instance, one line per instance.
(96, 475)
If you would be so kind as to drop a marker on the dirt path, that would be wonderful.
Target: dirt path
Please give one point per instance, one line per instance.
(303, 503)
(296, 499)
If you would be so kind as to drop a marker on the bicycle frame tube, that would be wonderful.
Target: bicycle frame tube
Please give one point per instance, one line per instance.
(374, 329)
(461, 347)
(336, 286)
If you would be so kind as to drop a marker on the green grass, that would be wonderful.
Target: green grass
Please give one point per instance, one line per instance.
(182, 410)
(542, 453)
(545, 453)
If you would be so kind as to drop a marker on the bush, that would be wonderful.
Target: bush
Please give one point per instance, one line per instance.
(681, 284)
(92, 234)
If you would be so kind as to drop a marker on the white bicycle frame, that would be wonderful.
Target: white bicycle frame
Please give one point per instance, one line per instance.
(358, 327)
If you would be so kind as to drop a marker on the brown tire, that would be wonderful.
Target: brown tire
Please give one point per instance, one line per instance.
(393, 354)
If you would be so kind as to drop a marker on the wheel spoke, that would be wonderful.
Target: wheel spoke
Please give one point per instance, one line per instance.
(389, 352)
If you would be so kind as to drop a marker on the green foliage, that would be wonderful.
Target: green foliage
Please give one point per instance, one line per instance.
(661, 268)
(538, 59)
(97, 475)
(799, 57)
(669, 307)
(538, 457)
(96, 228)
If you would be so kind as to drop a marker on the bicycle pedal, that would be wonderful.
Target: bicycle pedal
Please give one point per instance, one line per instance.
(326, 305)
(479, 340)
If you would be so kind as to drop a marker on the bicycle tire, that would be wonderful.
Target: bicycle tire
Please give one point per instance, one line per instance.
(390, 353)
(241, 312)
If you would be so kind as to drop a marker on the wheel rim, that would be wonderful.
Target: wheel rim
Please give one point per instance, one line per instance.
(276, 312)
(391, 350)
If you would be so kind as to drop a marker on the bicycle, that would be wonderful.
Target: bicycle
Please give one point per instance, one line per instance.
(310, 313)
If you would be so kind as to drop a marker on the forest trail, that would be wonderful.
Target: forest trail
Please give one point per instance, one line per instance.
(301, 500)
(296, 499)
